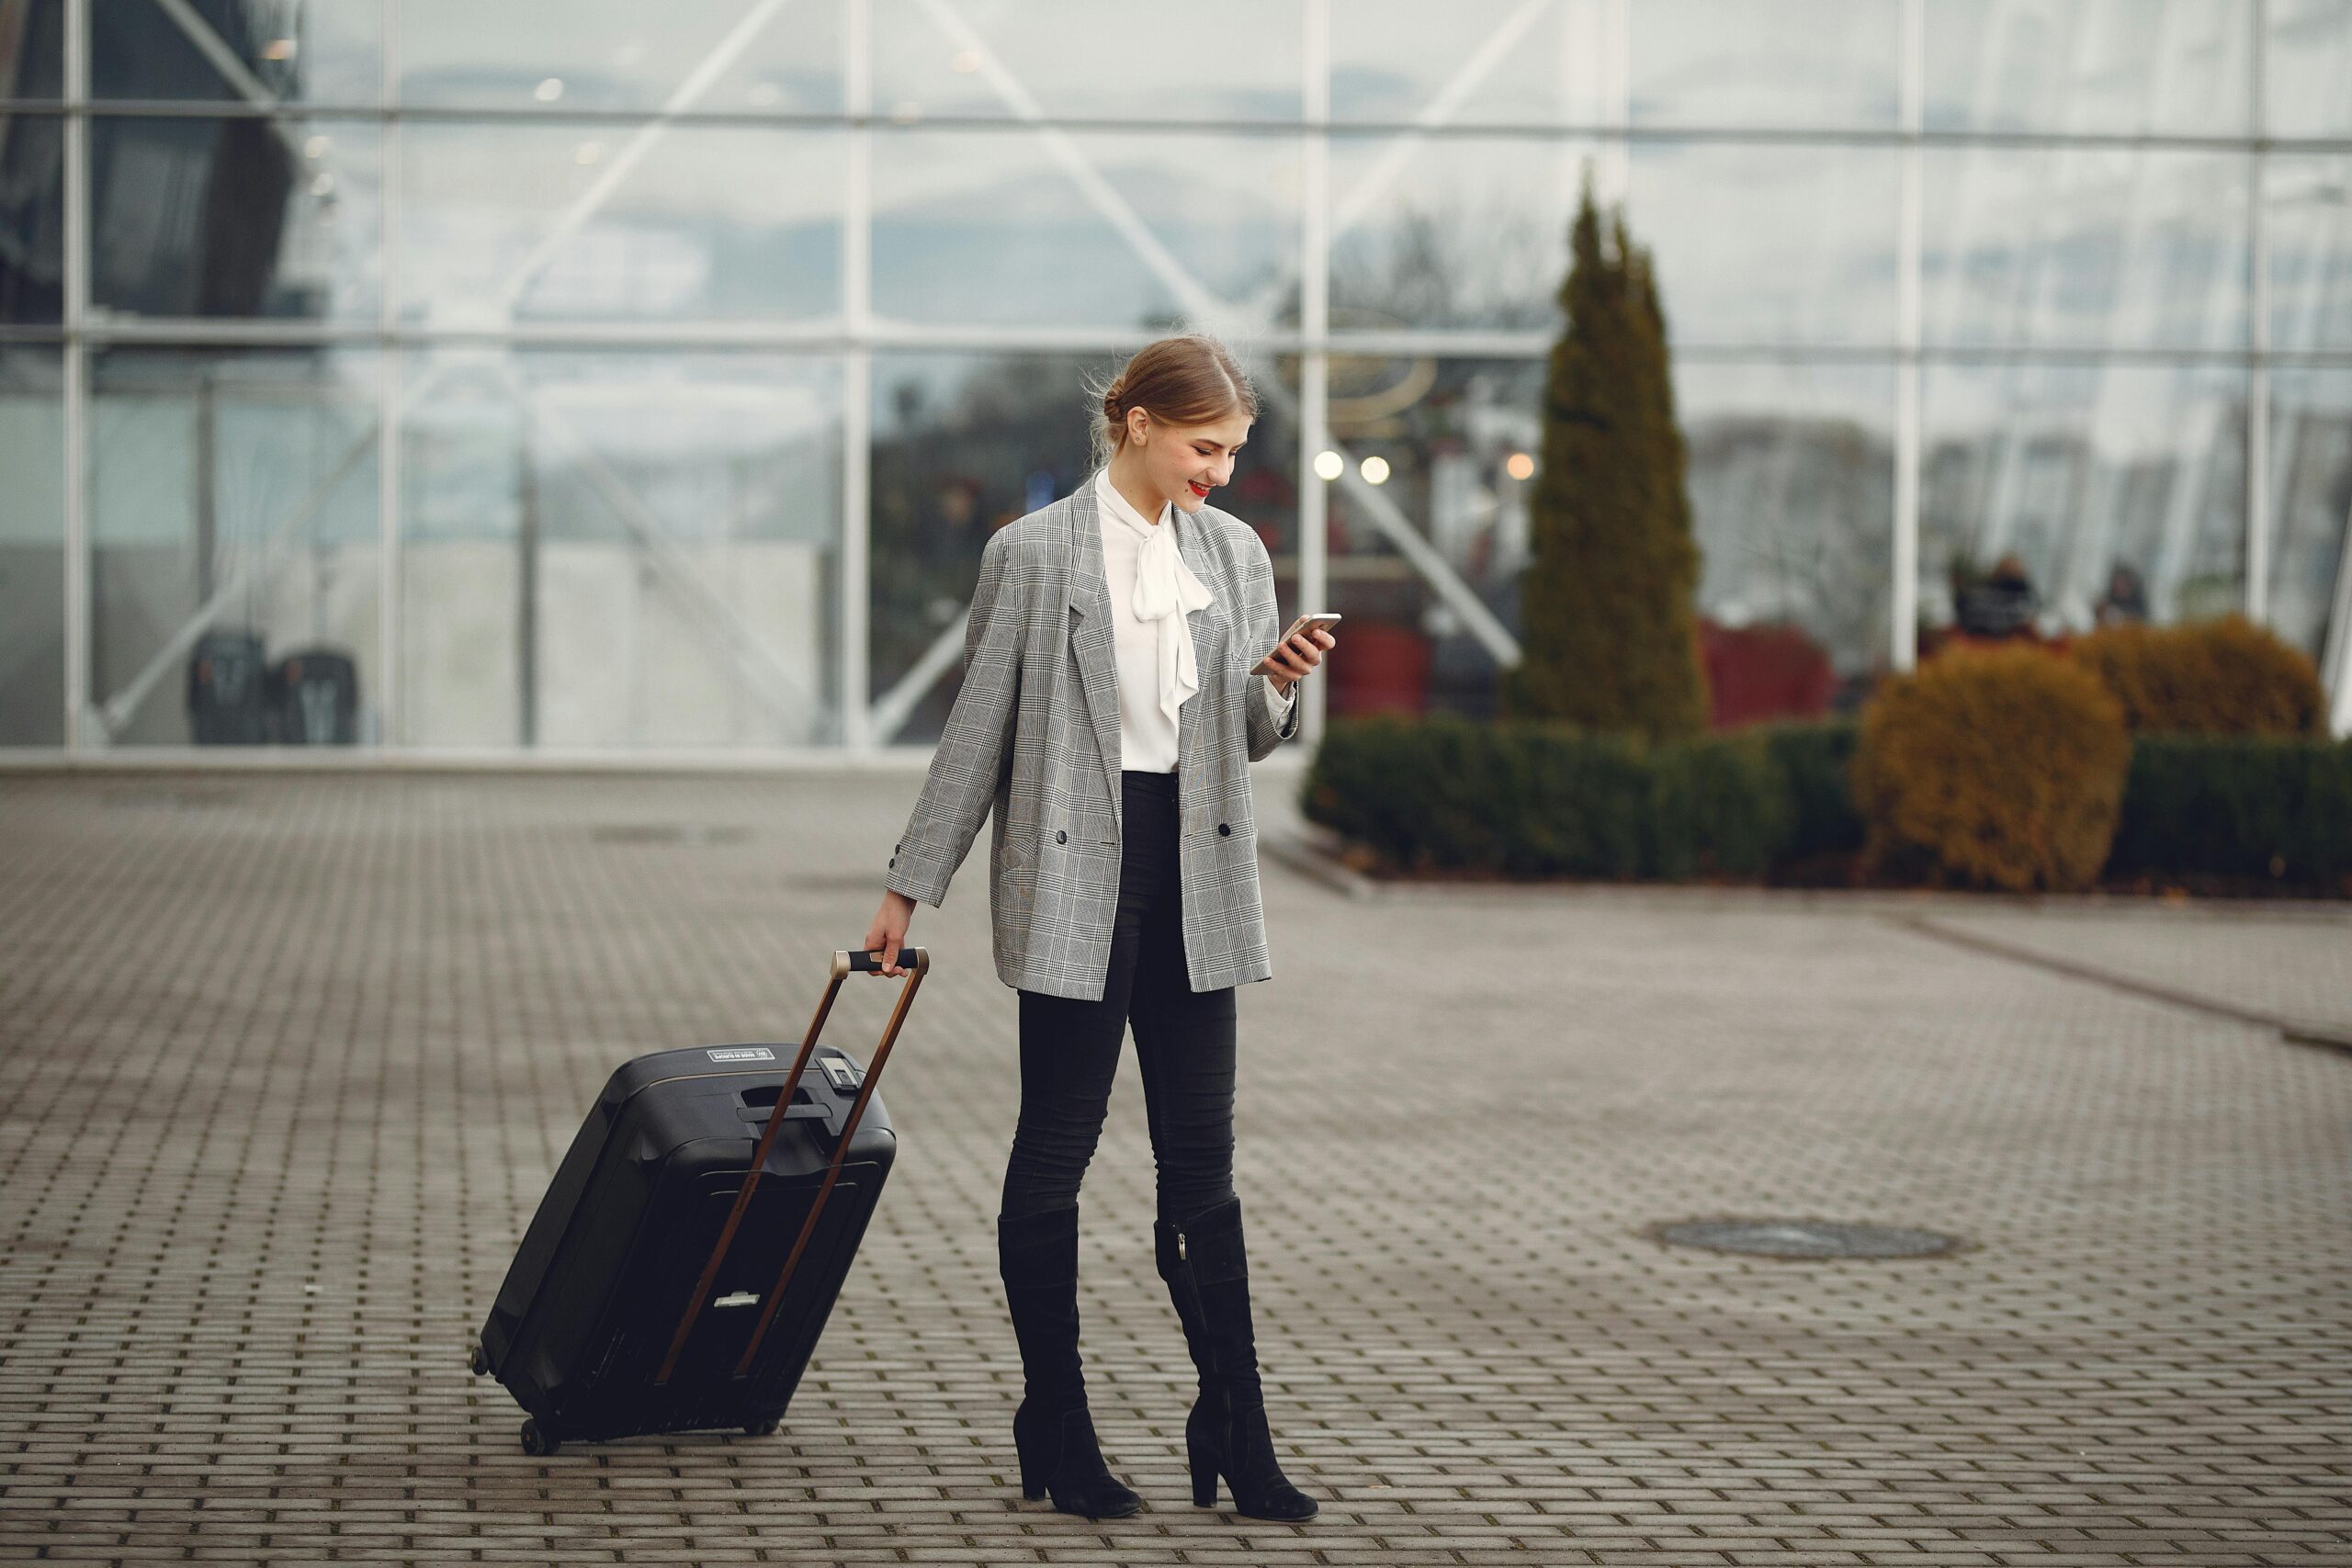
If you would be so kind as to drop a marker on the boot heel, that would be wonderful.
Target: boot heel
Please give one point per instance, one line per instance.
(1203, 1477)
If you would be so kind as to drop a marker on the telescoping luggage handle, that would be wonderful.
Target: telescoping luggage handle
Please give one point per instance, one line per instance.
(844, 964)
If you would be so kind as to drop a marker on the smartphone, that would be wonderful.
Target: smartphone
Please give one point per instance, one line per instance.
(1320, 620)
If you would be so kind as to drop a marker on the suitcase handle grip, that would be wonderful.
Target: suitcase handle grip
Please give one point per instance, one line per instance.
(917, 961)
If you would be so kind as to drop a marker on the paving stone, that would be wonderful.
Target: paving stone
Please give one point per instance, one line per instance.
(286, 1061)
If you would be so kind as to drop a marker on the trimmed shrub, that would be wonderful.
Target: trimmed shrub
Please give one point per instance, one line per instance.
(2219, 677)
(1825, 833)
(1718, 807)
(2269, 808)
(1996, 769)
(1536, 799)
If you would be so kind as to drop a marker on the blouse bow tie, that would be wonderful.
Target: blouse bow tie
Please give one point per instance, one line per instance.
(1166, 591)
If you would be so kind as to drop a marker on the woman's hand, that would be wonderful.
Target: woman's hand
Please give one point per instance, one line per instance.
(1297, 654)
(889, 932)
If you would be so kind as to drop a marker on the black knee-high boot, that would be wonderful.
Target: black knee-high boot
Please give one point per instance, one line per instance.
(1208, 1277)
(1052, 1431)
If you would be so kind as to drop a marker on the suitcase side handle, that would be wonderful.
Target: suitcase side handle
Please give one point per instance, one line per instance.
(844, 964)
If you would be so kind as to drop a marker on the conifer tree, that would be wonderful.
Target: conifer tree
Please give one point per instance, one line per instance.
(1608, 631)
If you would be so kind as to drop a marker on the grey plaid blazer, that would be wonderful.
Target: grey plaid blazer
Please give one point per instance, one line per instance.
(1035, 734)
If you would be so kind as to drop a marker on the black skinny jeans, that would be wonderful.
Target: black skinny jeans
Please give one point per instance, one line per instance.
(1184, 1041)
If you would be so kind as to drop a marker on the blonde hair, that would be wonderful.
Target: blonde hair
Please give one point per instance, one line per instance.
(1190, 379)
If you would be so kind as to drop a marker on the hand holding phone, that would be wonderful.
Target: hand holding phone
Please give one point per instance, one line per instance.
(1317, 620)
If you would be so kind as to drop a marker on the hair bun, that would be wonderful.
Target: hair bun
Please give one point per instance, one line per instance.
(1111, 409)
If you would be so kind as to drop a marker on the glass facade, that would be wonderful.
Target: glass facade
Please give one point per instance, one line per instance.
(589, 379)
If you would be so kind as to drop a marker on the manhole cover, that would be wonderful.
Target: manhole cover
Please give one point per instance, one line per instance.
(1806, 1238)
(667, 833)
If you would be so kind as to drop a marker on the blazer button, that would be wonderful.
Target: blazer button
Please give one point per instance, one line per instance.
(1060, 838)
(1225, 830)
(894, 860)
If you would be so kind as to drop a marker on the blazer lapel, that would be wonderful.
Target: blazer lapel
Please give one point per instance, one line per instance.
(1092, 633)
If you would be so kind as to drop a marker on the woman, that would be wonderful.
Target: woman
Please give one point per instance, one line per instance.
(1109, 713)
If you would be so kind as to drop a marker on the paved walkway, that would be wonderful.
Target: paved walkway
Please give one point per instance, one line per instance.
(284, 1062)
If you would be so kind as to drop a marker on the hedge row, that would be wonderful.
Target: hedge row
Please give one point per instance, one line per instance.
(1776, 803)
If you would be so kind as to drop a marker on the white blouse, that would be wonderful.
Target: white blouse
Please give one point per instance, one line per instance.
(1152, 592)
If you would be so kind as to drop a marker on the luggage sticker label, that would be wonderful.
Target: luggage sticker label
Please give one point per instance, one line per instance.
(743, 1054)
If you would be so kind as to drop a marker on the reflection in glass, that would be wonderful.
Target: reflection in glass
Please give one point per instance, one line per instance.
(1215, 60)
(2119, 489)
(1794, 62)
(1457, 233)
(2305, 69)
(618, 550)
(2110, 67)
(964, 444)
(2311, 529)
(32, 217)
(32, 49)
(685, 56)
(1791, 477)
(1441, 437)
(1792, 484)
(985, 228)
(1470, 62)
(2308, 220)
(319, 51)
(32, 548)
(243, 480)
(1769, 244)
(703, 223)
(2084, 247)
(242, 218)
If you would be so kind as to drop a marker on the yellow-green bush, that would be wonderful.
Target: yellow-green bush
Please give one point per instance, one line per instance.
(2003, 768)
(2221, 677)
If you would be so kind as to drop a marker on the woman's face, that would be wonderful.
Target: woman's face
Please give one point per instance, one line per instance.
(1184, 462)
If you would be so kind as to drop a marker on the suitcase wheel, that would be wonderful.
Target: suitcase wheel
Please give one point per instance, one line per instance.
(480, 1362)
(537, 1442)
(767, 1428)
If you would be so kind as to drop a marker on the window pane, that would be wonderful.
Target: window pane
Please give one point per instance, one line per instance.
(1472, 62)
(1427, 446)
(246, 482)
(963, 444)
(244, 218)
(684, 55)
(32, 548)
(2121, 490)
(1794, 62)
(1214, 59)
(987, 228)
(1451, 232)
(1791, 483)
(2309, 64)
(32, 217)
(1770, 245)
(612, 222)
(619, 550)
(2115, 67)
(2309, 218)
(2310, 531)
(2084, 247)
(319, 52)
(32, 51)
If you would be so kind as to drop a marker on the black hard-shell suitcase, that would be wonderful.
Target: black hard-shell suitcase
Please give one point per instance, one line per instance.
(689, 1248)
